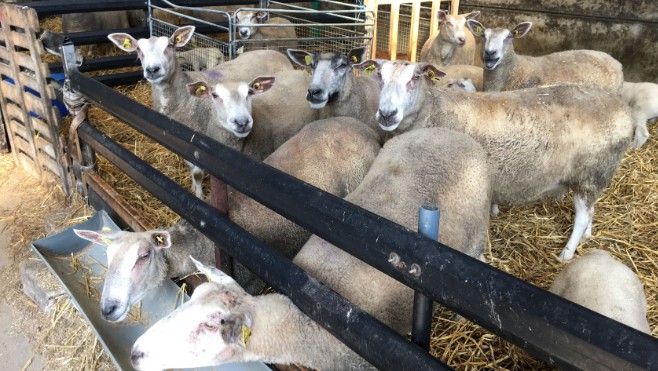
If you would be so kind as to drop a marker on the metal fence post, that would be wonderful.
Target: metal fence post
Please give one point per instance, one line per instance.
(428, 226)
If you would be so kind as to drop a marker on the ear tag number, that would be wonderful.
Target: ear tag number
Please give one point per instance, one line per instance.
(127, 43)
(200, 90)
(308, 60)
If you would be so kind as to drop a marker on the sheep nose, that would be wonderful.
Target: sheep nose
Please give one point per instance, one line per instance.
(313, 92)
(135, 356)
(107, 310)
(242, 125)
(244, 33)
(489, 53)
(152, 70)
(387, 115)
(461, 41)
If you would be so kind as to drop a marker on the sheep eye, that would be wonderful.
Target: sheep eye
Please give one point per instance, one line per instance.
(416, 77)
(210, 327)
(342, 65)
(214, 95)
(145, 256)
(222, 322)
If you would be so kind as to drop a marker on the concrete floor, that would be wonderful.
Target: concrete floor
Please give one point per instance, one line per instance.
(15, 350)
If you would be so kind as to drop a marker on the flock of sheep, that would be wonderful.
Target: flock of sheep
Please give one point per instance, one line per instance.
(390, 138)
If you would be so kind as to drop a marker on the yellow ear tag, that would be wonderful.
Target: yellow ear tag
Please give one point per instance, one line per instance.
(246, 334)
(160, 240)
(178, 39)
(354, 59)
(308, 60)
(516, 32)
(430, 73)
(127, 43)
(106, 229)
(106, 241)
(479, 29)
(369, 70)
(256, 86)
(200, 90)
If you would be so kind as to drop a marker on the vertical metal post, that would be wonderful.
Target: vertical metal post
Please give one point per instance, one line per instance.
(428, 226)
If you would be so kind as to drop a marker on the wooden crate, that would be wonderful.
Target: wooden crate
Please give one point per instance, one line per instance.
(30, 119)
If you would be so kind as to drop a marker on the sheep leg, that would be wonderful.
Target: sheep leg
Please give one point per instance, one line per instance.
(641, 132)
(582, 224)
(494, 210)
(197, 179)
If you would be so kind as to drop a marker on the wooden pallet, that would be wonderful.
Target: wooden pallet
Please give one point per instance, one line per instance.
(30, 119)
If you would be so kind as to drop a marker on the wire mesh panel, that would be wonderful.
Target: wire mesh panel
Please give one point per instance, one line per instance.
(339, 28)
(210, 44)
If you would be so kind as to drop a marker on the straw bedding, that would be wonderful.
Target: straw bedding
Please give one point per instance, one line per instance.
(523, 241)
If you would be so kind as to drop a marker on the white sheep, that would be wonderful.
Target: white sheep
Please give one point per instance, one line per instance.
(461, 83)
(506, 70)
(642, 97)
(452, 44)
(223, 324)
(462, 72)
(258, 129)
(140, 261)
(279, 29)
(332, 154)
(199, 59)
(168, 81)
(431, 165)
(601, 283)
(541, 141)
(335, 90)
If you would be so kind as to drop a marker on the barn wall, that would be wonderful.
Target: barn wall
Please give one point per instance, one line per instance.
(627, 30)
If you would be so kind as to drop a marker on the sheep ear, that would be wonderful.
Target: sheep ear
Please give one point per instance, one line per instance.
(261, 84)
(367, 67)
(236, 330)
(161, 239)
(477, 28)
(260, 15)
(473, 15)
(356, 55)
(431, 72)
(181, 36)
(96, 237)
(521, 29)
(213, 274)
(301, 57)
(442, 15)
(123, 41)
(198, 89)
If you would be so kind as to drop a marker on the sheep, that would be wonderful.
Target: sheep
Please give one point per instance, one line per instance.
(223, 324)
(462, 71)
(642, 97)
(452, 45)
(461, 83)
(431, 165)
(541, 141)
(335, 90)
(506, 70)
(311, 155)
(246, 21)
(169, 83)
(599, 282)
(277, 116)
(141, 261)
(199, 59)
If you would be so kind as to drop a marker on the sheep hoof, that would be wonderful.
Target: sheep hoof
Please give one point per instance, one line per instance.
(566, 255)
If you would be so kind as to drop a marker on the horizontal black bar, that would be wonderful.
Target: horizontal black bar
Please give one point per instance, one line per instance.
(53, 7)
(117, 79)
(534, 319)
(100, 37)
(361, 332)
(101, 63)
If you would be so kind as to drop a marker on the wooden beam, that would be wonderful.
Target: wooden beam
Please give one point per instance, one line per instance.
(393, 29)
(454, 7)
(373, 5)
(413, 30)
(434, 18)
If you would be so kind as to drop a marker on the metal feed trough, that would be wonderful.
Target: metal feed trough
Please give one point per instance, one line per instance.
(547, 326)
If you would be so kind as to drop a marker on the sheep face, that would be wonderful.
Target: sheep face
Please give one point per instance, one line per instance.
(245, 21)
(453, 27)
(461, 84)
(497, 41)
(329, 70)
(155, 53)
(232, 102)
(401, 83)
(210, 329)
(133, 268)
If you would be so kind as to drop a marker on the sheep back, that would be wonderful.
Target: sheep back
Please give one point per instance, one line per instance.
(332, 154)
(601, 283)
(422, 166)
